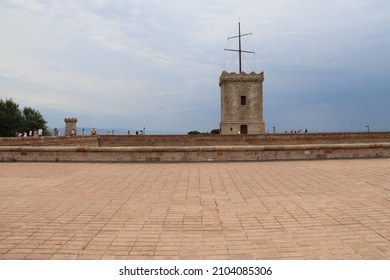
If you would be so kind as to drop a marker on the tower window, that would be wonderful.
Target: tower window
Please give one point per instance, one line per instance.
(243, 100)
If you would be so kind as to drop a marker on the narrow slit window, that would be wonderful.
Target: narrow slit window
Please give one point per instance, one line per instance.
(243, 100)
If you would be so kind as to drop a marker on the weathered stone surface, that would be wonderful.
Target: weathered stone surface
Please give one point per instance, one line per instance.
(195, 153)
(199, 140)
(242, 103)
(124, 148)
(70, 124)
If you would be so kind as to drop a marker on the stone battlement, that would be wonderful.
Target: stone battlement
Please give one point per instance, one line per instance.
(199, 140)
(165, 148)
(195, 153)
(50, 141)
(241, 77)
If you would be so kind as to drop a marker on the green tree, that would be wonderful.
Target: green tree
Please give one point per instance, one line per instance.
(13, 120)
(10, 118)
(214, 131)
(32, 120)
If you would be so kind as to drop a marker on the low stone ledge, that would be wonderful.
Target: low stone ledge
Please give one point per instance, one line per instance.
(195, 148)
(198, 140)
(194, 153)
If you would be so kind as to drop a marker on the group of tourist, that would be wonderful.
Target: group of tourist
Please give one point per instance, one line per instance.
(32, 133)
(73, 132)
(56, 132)
(94, 132)
(291, 132)
(296, 131)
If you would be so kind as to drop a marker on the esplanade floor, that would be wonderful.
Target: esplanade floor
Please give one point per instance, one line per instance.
(334, 209)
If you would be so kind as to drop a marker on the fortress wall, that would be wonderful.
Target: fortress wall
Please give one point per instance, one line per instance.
(194, 153)
(198, 140)
(165, 148)
(83, 141)
(235, 140)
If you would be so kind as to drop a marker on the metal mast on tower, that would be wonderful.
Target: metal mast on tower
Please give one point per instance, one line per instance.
(239, 45)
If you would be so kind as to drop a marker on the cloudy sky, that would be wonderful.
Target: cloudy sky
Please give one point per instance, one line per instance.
(156, 64)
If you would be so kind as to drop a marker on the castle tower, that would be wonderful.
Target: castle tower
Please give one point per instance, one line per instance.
(241, 103)
(70, 124)
(241, 98)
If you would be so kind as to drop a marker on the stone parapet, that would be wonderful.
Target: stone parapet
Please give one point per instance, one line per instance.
(195, 153)
(89, 141)
(236, 140)
(199, 140)
(241, 77)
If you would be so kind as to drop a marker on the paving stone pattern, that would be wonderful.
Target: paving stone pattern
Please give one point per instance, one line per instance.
(334, 209)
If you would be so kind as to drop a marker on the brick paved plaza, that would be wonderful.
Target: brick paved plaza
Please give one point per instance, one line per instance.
(335, 209)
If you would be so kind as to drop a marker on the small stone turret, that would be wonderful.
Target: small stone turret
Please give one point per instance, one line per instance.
(70, 124)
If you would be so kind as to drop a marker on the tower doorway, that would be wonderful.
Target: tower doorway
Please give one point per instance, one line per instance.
(244, 129)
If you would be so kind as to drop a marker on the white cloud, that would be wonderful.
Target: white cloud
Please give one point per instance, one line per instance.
(30, 5)
(157, 59)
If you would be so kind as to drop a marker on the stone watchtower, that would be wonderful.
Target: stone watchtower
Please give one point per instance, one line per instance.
(241, 98)
(241, 103)
(70, 124)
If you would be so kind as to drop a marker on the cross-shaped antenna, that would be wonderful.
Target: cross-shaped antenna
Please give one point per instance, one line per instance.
(239, 44)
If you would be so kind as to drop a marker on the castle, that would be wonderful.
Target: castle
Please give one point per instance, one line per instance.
(241, 98)
(241, 103)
